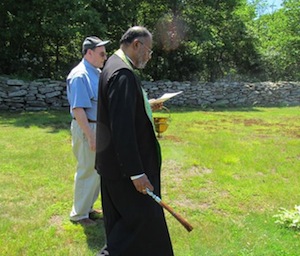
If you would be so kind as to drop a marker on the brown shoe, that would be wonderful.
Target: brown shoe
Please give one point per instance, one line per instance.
(96, 214)
(85, 222)
(97, 211)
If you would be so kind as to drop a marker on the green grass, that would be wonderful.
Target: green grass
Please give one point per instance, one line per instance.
(226, 171)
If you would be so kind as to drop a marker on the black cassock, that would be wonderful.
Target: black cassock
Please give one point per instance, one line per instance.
(126, 146)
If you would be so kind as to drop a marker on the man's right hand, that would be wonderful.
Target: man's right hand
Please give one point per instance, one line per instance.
(82, 120)
(142, 183)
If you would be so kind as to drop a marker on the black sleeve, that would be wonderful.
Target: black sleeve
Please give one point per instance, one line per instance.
(122, 98)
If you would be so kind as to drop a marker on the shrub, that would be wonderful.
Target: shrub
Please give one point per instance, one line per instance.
(289, 218)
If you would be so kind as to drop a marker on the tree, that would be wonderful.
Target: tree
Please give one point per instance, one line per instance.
(279, 36)
(193, 39)
(39, 37)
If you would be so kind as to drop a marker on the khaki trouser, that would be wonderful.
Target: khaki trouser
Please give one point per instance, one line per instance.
(86, 179)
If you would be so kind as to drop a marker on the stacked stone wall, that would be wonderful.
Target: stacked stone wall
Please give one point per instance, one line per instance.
(228, 94)
(37, 95)
(46, 94)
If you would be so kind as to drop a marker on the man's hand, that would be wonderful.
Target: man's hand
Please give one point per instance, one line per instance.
(82, 121)
(92, 141)
(142, 183)
(157, 106)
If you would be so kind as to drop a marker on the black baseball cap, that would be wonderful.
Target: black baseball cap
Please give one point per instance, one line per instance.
(92, 42)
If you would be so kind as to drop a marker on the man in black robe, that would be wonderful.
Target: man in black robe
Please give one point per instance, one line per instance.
(128, 156)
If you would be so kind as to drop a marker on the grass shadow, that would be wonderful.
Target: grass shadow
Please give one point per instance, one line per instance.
(177, 109)
(52, 120)
(95, 236)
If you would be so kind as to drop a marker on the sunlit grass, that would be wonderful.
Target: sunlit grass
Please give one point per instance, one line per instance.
(226, 171)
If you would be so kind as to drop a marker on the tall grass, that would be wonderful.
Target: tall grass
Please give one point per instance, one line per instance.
(227, 171)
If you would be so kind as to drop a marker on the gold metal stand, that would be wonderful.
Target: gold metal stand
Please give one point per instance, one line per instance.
(161, 123)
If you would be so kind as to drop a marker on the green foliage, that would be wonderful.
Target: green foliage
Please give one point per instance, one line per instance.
(44, 37)
(193, 40)
(279, 36)
(289, 218)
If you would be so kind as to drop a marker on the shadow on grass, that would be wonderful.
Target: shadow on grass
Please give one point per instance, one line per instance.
(95, 236)
(57, 120)
(53, 120)
(176, 109)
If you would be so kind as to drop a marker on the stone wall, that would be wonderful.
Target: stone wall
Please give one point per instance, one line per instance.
(45, 94)
(228, 94)
(37, 95)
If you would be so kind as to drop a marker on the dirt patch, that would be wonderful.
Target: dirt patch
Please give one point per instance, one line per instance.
(56, 220)
(263, 127)
(172, 138)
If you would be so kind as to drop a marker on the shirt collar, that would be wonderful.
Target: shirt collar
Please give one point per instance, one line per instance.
(91, 67)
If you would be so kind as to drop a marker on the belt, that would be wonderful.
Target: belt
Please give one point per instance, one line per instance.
(90, 121)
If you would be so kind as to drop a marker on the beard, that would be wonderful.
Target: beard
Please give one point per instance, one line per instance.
(141, 63)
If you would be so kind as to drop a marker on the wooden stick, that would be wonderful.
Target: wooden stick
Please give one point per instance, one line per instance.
(183, 222)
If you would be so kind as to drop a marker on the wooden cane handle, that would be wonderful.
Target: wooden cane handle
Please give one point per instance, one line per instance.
(183, 222)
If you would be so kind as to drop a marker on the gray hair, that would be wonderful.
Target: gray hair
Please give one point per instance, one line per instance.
(133, 33)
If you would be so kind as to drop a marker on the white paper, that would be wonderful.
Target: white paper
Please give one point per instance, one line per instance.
(163, 98)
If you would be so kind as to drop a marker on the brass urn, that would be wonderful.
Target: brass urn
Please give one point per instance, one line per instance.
(161, 123)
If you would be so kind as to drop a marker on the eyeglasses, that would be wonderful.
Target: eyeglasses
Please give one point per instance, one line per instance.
(101, 54)
(148, 49)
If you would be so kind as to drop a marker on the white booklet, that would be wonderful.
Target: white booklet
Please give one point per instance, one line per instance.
(163, 98)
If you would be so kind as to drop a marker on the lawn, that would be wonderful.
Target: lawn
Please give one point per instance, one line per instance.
(227, 171)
